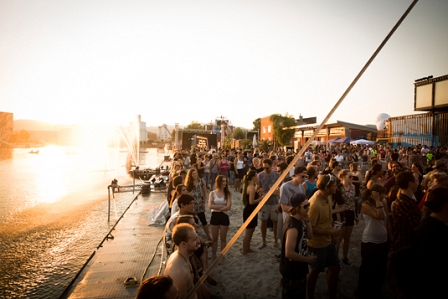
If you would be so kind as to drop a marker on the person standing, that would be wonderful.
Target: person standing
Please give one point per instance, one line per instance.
(294, 260)
(224, 165)
(374, 242)
(348, 194)
(239, 165)
(220, 202)
(266, 180)
(214, 169)
(197, 189)
(406, 215)
(325, 236)
(250, 200)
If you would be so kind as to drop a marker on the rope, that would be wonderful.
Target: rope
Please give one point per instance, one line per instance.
(302, 150)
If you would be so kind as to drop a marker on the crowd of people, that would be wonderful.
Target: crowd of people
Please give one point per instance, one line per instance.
(400, 194)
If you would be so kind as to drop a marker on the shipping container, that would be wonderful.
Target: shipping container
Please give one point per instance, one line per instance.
(430, 129)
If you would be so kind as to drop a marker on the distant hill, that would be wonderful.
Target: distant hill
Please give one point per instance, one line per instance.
(36, 125)
(155, 129)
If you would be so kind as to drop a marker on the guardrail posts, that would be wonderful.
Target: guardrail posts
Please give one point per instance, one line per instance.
(108, 203)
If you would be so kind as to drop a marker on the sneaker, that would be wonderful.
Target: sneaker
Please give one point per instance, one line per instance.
(278, 246)
(263, 245)
(346, 262)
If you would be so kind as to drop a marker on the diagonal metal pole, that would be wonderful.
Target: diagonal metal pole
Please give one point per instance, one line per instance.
(286, 171)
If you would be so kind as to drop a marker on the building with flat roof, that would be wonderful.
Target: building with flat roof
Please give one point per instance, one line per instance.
(430, 128)
(341, 129)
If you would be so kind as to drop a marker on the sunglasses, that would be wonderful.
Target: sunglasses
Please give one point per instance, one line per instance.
(304, 176)
(329, 181)
(306, 206)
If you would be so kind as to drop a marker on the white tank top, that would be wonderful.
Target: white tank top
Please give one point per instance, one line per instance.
(218, 200)
(375, 230)
(239, 164)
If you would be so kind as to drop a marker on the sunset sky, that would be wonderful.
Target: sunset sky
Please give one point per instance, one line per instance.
(103, 62)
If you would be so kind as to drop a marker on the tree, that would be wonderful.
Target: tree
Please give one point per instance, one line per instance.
(283, 136)
(257, 124)
(239, 133)
(195, 125)
(265, 145)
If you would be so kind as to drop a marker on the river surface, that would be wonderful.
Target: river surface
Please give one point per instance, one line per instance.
(53, 214)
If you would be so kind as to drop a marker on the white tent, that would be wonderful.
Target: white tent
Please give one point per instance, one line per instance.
(254, 141)
(363, 142)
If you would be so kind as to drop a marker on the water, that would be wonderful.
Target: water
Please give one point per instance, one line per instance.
(53, 214)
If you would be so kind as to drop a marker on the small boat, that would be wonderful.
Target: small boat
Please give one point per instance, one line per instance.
(148, 173)
(33, 152)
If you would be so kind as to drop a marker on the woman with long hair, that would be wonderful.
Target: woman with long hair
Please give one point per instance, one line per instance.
(224, 165)
(374, 245)
(250, 200)
(197, 189)
(374, 175)
(349, 195)
(219, 202)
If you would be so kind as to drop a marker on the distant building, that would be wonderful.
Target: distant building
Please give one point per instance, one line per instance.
(151, 136)
(6, 128)
(266, 129)
(430, 128)
(142, 134)
(164, 133)
(332, 130)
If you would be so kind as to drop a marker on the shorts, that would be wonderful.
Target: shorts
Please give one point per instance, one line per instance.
(248, 209)
(268, 211)
(326, 257)
(201, 217)
(349, 217)
(241, 173)
(219, 218)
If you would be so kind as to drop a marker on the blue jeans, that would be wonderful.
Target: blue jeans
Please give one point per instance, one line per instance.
(206, 178)
(231, 178)
(213, 179)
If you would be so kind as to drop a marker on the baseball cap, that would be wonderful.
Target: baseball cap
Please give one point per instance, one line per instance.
(296, 199)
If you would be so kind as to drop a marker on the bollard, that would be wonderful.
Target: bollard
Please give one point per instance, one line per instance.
(146, 188)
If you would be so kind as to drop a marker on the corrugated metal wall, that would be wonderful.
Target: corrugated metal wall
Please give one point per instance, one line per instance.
(424, 128)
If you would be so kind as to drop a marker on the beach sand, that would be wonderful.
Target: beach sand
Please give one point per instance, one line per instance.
(259, 277)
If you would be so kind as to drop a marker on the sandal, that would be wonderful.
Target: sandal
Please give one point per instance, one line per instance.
(130, 282)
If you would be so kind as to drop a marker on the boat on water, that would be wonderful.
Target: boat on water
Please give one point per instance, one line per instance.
(152, 173)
